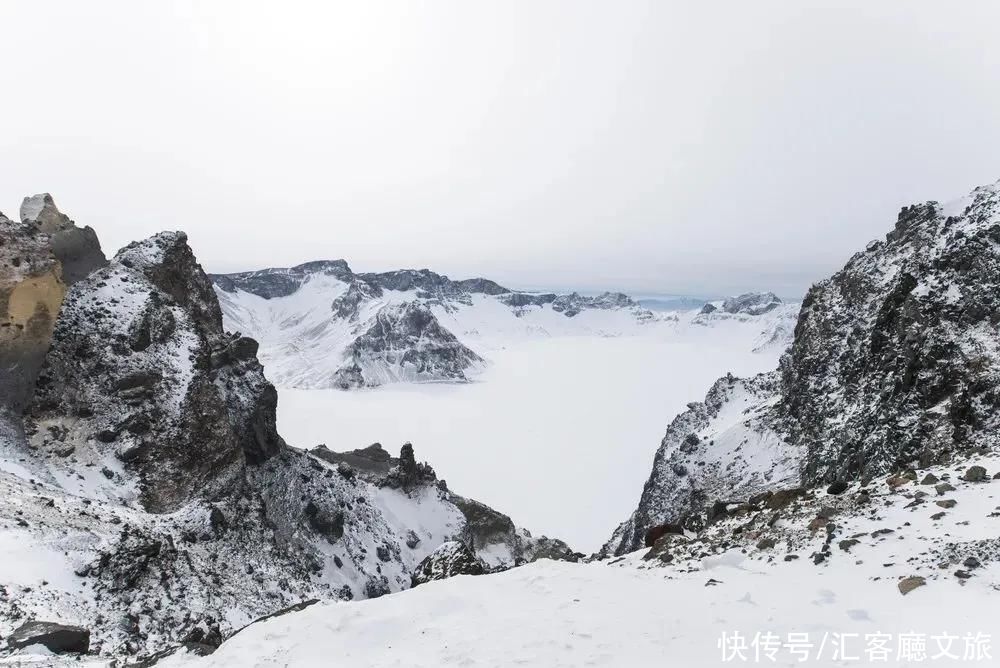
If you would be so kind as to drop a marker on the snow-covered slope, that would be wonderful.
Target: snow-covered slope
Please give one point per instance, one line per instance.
(322, 326)
(748, 590)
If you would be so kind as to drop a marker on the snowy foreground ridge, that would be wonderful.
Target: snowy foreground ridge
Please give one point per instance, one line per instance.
(737, 605)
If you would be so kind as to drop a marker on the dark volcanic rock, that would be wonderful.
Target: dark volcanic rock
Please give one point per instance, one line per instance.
(405, 341)
(450, 559)
(201, 421)
(372, 462)
(654, 534)
(152, 433)
(77, 248)
(975, 474)
(837, 487)
(271, 283)
(39, 258)
(408, 474)
(889, 366)
(56, 637)
(483, 525)
(434, 285)
(327, 523)
(895, 366)
(346, 305)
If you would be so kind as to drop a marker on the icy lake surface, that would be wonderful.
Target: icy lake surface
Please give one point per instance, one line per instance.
(559, 433)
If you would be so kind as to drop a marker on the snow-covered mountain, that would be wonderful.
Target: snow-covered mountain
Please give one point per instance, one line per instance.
(149, 497)
(894, 365)
(145, 493)
(839, 511)
(813, 579)
(322, 326)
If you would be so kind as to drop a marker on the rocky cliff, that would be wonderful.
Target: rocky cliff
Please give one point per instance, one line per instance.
(40, 256)
(145, 494)
(895, 364)
(896, 358)
(404, 342)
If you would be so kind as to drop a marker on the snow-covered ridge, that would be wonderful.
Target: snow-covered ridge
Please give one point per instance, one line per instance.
(816, 572)
(145, 494)
(322, 326)
(894, 365)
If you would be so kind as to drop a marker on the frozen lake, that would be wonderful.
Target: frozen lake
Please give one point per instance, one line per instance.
(558, 433)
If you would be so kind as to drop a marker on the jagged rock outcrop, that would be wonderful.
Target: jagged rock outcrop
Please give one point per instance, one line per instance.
(896, 358)
(405, 342)
(448, 560)
(408, 473)
(274, 283)
(895, 363)
(720, 449)
(148, 465)
(348, 305)
(483, 528)
(57, 638)
(39, 258)
(141, 375)
(495, 533)
(752, 303)
(76, 248)
(430, 285)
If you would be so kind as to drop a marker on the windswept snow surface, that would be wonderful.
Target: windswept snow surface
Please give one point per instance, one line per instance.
(560, 429)
(550, 614)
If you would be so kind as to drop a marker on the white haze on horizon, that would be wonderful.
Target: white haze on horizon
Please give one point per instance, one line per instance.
(640, 146)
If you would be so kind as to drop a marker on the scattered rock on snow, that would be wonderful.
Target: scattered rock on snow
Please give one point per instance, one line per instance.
(838, 487)
(975, 474)
(906, 585)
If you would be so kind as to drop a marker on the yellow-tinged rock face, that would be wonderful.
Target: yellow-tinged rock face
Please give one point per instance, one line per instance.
(40, 257)
(33, 304)
(31, 294)
(30, 308)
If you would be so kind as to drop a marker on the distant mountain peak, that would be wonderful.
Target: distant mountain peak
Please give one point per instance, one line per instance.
(321, 325)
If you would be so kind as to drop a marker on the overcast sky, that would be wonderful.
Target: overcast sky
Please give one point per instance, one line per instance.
(685, 147)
